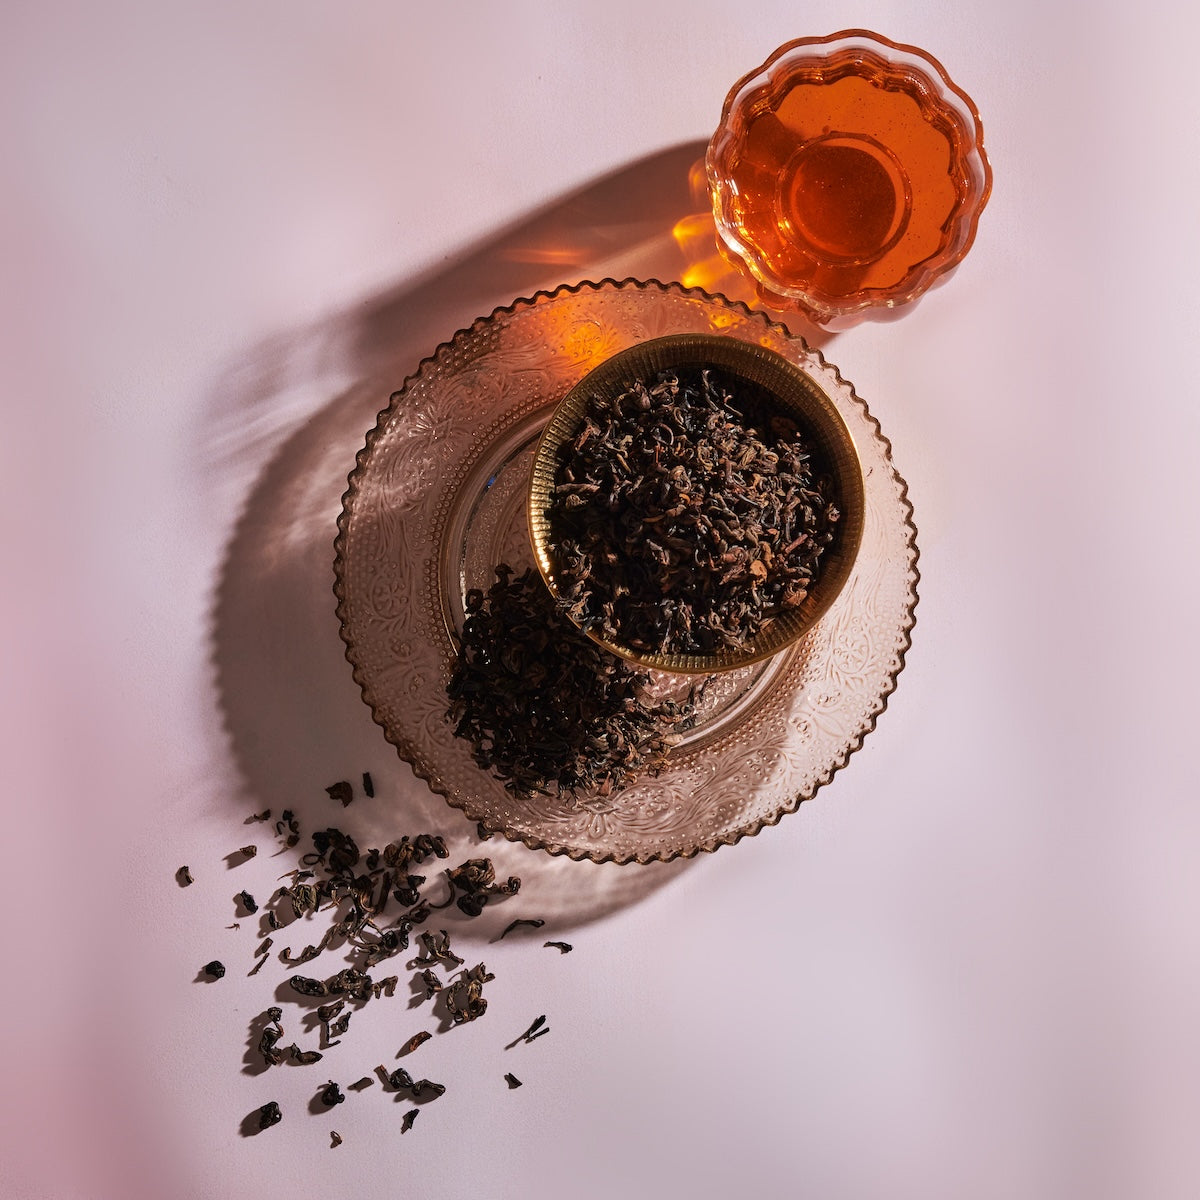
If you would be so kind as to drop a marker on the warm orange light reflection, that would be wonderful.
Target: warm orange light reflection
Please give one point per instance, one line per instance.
(696, 237)
(555, 256)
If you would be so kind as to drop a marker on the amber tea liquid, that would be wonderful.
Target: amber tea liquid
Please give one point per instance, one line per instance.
(845, 181)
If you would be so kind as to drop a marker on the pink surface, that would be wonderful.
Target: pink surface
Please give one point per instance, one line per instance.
(968, 968)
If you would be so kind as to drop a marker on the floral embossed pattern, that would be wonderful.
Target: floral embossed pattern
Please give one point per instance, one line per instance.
(438, 498)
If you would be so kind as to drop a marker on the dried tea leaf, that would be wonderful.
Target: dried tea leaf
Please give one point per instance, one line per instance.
(248, 902)
(521, 922)
(184, 877)
(265, 815)
(332, 1095)
(417, 1039)
(308, 987)
(561, 947)
(368, 784)
(341, 791)
(248, 851)
(512, 1080)
(437, 949)
(215, 969)
(335, 1139)
(409, 1118)
(537, 1029)
(269, 1115)
(464, 997)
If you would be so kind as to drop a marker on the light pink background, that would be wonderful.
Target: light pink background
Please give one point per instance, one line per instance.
(968, 969)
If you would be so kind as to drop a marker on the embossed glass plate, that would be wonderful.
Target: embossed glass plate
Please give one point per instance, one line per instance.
(437, 499)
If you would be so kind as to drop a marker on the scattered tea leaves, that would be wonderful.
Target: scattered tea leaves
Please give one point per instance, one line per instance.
(355, 890)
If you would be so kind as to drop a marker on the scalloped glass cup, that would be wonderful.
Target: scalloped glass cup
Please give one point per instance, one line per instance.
(847, 176)
(779, 388)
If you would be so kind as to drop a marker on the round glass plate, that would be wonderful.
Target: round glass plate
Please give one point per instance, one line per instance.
(438, 498)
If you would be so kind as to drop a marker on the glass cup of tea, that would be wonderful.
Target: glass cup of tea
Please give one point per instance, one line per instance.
(847, 176)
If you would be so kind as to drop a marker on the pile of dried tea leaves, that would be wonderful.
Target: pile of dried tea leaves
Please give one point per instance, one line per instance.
(678, 528)
(545, 708)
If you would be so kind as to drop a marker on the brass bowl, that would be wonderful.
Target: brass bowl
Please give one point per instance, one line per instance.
(783, 389)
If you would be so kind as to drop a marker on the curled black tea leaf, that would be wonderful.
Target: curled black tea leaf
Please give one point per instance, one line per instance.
(332, 1095)
(427, 1087)
(511, 1080)
(215, 969)
(269, 1115)
(433, 984)
(335, 1139)
(248, 902)
(561, 947)
(288, 828)
(341, 791)
(484, 834)
(399, 1079)
(409, 1117)
(268, 1044)
(521, 922)
(368, 784)
(361, 1085)
(304, 1058)
(308, 987)
(265, 815)
(260, 952)
(248, 851)
(437, 949)
(417, 1039)
(464, 997)
(184, 877)
(474, 882)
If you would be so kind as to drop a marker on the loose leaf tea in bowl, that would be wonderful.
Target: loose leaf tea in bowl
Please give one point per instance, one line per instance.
(696, 503)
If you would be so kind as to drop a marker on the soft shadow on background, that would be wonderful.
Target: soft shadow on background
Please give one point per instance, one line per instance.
(295, 718)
